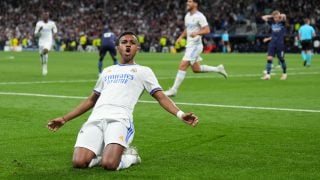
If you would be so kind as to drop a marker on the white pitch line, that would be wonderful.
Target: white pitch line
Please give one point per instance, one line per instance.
(242, 75)
(179, 103)
(41, 95)
(48, 82)
(7, 58)
(187, 77)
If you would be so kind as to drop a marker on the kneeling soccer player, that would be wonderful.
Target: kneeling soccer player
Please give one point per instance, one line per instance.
(106, 136)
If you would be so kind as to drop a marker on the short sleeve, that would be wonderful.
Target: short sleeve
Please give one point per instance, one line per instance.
(99, 85)
(37, 28)
(150, 82)
(54, 28)
(203, 21)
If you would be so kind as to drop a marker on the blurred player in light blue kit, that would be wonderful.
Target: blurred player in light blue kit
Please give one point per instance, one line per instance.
(225, 42)
(306, 33)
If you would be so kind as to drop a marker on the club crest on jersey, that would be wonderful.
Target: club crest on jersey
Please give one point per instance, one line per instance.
(121, 138)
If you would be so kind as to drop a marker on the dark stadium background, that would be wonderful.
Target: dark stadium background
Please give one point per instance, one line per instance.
(154, 19)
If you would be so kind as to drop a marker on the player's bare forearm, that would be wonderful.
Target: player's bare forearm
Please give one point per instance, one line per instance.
(166, 102)
(203, 31)
(266, 17)
(170, 106)
(83, 107)
(283, 17)
(55, 36)
(183, 34)
(265, 40)
(87, 104)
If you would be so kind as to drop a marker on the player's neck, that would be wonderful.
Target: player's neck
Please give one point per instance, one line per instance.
(194, 10)
(131, 62)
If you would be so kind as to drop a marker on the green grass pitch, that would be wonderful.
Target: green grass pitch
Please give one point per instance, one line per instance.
(249, 128)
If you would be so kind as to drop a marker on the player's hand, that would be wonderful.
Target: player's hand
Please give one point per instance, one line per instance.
(194, 34)
(190, 119)
(55, 124)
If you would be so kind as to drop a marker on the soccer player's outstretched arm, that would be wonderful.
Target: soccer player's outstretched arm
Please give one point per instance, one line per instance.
(169, 105)
(86, 105)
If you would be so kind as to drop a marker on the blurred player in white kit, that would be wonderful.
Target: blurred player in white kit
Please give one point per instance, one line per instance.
(196, 25)
(45, 30)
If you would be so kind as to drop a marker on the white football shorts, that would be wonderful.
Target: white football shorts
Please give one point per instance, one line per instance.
(95, 135)
(45, 46)
(192, 53)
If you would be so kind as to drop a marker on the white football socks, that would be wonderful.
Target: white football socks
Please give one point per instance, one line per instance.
(44, 61)
(95, 162)
(206, 68)
(127, 160)
(179, 78)
(45, 58)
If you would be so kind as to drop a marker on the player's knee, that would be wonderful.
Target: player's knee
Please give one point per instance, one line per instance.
(45, 51)
(110, 165)
(196, 70)
(79, 163)
(183, 67)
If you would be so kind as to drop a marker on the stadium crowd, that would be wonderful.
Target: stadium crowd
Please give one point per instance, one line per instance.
(152, 20)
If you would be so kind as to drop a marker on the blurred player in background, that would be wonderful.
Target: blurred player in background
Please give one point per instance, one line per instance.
(108, 44)
(225, 42)
(276, 45)
(306, 33)
(105, 138)
(196, 26)
(267, 40)
(46, 31)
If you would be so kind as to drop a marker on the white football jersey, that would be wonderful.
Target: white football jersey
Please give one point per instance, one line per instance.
(46, 34)
(194, 23)
(120, 87)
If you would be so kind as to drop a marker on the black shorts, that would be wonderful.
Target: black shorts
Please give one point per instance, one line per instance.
(111, 49)
(276, 49)
(306, 45)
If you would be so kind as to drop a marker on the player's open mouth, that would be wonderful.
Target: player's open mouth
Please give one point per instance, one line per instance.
(127, 52)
